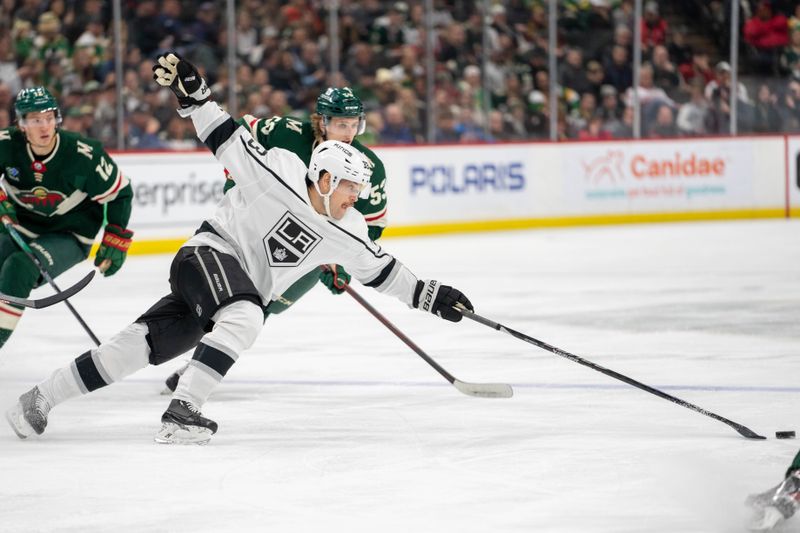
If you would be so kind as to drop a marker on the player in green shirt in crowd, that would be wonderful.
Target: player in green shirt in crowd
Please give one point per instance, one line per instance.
(58, 188)
(339, 117)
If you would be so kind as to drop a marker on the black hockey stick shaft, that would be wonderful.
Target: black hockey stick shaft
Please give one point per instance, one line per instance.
(742, 430)
(483, 390)
(400, 335)
(28, 252)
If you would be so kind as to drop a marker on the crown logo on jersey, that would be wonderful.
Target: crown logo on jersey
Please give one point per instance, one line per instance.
(38, 170)
(280, 254)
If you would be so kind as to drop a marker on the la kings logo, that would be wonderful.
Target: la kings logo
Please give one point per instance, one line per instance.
(289, 242)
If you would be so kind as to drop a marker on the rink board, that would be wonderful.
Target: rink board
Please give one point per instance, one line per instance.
(456, 188)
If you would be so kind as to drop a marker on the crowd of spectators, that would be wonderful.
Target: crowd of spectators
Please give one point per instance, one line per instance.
(283, 52)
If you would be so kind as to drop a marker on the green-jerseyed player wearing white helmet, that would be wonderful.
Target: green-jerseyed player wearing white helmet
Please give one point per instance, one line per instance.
(339, 117)
(59, 188)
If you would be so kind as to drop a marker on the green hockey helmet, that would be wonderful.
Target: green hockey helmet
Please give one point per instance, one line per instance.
(341, 102)
(35, 100)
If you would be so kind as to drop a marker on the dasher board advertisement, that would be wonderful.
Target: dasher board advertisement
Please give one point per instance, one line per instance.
(173, 192)
(665, 175)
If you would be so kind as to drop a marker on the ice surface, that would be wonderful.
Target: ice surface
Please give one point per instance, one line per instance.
(329, 423)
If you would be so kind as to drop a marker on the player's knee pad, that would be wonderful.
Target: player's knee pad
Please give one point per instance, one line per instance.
(170, 337)
(236, 326)
(123, 354)
(19, 275)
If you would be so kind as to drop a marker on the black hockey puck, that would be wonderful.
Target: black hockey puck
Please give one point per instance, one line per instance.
(784, 434)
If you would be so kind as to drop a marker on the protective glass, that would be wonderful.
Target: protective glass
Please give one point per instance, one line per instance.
(345, 127)
(40, 121)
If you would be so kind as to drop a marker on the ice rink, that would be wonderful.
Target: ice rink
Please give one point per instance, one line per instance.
(331, 424)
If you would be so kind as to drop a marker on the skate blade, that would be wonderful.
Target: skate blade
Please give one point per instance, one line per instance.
(18, 424)
(766, 519)
(762, 499)
(174, 434)
(758, 501)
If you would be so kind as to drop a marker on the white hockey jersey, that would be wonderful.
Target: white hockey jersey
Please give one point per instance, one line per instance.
(267, 221)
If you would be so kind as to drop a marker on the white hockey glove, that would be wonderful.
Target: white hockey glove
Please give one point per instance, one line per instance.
(183, 78)
(433, 297)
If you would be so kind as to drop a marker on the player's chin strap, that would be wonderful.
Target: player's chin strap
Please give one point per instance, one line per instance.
(326, 199)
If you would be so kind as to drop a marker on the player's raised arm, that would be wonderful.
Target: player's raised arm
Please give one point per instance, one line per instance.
(214, 126)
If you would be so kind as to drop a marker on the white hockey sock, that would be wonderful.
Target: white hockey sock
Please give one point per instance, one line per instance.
(236, 327)
(60, 386)
(195, 385)
(122, 355)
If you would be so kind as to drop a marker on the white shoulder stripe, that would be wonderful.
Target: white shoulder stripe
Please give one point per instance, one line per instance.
(109, 194)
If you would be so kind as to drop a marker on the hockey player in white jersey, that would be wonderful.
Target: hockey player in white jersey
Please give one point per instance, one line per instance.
(279, 222)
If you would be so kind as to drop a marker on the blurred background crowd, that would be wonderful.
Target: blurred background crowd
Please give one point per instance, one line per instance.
(491, 81)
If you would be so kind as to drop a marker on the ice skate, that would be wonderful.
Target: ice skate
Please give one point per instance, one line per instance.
(182, 423)
(171, 383)
(775, 505)
(762, 499)
(29, 415)
(765, 518)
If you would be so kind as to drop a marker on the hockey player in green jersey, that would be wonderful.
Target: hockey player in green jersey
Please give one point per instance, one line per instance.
(339, 117)
(58, 187)
(779, 503)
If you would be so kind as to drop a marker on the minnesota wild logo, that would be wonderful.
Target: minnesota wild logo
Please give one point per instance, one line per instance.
(42, 200)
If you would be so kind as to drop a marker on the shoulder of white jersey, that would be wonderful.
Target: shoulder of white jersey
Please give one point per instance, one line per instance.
(289, 166)
(286, 157)
(354, 223)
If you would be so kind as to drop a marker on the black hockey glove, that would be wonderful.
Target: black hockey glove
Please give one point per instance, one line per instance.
(183, 78)
(433, 297)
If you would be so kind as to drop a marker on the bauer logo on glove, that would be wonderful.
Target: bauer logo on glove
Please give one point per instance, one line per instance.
(113, 249)
(433, 297)
(182, 78)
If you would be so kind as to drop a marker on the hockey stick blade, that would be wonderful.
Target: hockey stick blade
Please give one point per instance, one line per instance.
(479, 390)
(50, 300)
(484, 390)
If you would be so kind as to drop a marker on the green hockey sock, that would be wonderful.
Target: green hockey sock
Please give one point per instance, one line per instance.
(795, 465)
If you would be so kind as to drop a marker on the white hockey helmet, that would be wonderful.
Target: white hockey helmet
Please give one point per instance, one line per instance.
(343, 162)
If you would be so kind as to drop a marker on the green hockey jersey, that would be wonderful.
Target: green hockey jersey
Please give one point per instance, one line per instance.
(298, 136)
(65, 191)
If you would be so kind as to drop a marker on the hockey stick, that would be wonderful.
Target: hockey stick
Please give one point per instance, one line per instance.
(60, 295)
(742, 430)
(482, 390)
